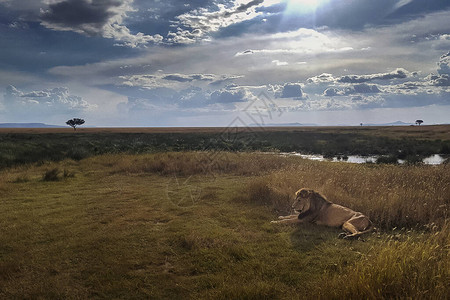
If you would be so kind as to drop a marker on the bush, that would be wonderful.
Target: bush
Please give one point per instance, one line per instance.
(391, 159)
(414, 160)
(51, 175)
(77, 153)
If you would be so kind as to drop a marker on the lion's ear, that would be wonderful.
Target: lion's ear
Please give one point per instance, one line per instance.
(303, 193)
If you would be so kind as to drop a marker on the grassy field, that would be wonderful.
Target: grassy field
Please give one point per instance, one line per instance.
(182, 225)
(410, 143)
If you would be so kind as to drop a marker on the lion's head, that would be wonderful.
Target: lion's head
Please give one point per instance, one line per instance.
(308, 200)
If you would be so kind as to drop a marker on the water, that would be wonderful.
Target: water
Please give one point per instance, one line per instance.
(434, 159)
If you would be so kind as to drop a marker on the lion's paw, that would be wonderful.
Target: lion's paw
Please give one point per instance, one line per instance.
(342, 235)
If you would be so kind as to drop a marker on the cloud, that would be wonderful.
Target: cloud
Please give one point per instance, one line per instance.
(292, 90)
(230, 96)
(46, 102)
(439, 80)
(189, 78)
(225, 79)
(174, 80)
(96, 18)
(197, 24)
(330, 92)
(387, 46)
(362, 88)
(182, 100)
(444, 64)
(322, 78)
(399, 73)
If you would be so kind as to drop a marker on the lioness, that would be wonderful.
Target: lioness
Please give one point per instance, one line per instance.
(310, 206)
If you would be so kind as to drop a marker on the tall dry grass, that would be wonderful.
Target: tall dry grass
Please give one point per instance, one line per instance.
(194, 163)
(392, 196)
(417, 267)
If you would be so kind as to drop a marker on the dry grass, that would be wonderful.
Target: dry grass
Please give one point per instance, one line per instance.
(195, 163)
(118, 230)
(418, 267)
(392, 196)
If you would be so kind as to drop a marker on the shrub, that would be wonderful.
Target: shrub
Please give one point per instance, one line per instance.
(391, 159)
(78, 153)
(414, 160)
(51, 175)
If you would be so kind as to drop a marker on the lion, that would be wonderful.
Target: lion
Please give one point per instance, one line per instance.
(310, 206)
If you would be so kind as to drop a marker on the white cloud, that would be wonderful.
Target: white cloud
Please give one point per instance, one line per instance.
(399, 73)
(45, 102)
(444, 64)
(358, 70)
(198, 23)
(231, 96)
(174, 80)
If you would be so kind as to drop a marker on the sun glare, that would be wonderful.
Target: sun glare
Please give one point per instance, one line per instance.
(303, 5)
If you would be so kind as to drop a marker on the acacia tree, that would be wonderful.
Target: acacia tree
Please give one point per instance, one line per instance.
(418, 122)
(75, 122)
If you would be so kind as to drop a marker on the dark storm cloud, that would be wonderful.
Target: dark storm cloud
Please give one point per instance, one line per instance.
(73, 13)
(103, 18)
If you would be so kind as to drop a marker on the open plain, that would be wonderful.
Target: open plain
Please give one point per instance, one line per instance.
(135, 220)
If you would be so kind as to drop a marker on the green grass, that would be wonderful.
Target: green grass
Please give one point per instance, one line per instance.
(160, 226)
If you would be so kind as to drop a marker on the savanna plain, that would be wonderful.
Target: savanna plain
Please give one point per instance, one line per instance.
(185, 214)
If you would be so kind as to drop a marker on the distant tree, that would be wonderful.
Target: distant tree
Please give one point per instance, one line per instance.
(418, 122)
(361, 124)
(75, 122)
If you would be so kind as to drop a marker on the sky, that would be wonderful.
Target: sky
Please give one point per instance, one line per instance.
(224, 62)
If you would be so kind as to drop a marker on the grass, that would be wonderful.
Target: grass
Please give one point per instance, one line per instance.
(161, 226)
(416, 267)
(22, 146)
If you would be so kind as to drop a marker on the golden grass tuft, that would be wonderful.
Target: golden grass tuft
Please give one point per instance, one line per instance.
(418, 267)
